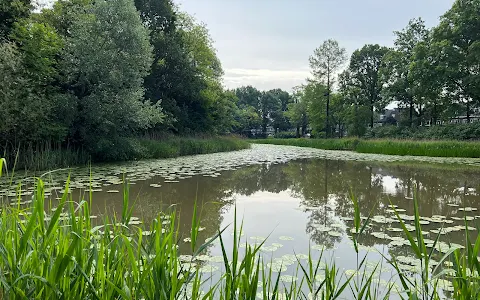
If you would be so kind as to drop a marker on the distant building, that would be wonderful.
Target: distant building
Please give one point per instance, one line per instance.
(389, 117)
(259, 132)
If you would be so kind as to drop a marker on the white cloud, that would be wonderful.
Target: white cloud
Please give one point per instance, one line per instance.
(265, 79)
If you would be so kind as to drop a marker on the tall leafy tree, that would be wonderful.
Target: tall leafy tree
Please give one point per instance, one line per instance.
(269, 104)
(106, 58)
(325, 63)
(248, 96)
(249, 103)
(12, 11)
(357, 114)
(397, 66)
(33, 109)
(427, 81)
(457, 39)
(314, 97)
(365, 65)
(279, 120)
(297, 111)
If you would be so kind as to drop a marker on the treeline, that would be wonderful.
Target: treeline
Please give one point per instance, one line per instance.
(433, 75)
(92, 75)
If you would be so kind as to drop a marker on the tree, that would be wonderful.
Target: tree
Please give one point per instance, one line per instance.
(279, 120)
(457, 40)
(397, 66)
(427, 81)
(357, 114)
(297, 111)
(33, 109)
(247, 119)
(365, 65)
(269, 104)
(249, 103)
(12, 11)
(248, 96)
(314, 97)
(325, 62)
(106, 58)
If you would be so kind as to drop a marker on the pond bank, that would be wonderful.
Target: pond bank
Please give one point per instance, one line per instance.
(388, 147)
(47, 157)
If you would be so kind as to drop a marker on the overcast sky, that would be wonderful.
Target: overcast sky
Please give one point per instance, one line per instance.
(266, 43)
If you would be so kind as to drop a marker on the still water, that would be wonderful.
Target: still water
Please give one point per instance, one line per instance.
(299, 200)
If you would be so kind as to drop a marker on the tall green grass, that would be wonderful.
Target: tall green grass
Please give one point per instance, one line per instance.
(61, 253)
(326, 144)
(43, 156)
(388, 147)
(47, 156)
(174, 147)
(420, 148)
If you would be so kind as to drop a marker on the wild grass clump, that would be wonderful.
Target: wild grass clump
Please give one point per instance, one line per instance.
(420, 148)
(388, 147)
(174, 147)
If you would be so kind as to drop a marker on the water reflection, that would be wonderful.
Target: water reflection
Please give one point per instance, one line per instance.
(321, 189)
(308, 200)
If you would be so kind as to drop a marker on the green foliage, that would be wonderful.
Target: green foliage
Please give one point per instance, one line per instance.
(420, 148)
(385, 146)
(325, 62)
(364, 68)
(12, 11)
(457, 44)
(398, 63)
(326, 144)
(286, 135)
(315, 97)
(25, 100)
(469, 131)
(105, 69)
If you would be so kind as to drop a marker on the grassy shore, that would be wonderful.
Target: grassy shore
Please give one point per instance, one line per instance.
(46, 156)
(175, 147)
(61, 254)
(389, 147)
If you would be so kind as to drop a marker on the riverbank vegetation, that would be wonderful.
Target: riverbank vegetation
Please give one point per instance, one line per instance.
(65, 252)
(386, 146)
(89, 80)
(46, 157)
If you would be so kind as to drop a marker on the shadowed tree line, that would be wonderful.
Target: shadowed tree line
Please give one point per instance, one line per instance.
(92, 76)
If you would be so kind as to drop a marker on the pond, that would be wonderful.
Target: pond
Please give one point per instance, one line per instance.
(298, 199)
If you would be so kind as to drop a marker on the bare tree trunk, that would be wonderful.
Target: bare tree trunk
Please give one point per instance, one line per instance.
(468, 111)
(411, 111)
(371, 113)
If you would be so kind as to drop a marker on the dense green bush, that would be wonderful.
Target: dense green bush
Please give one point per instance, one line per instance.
(440, 132)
